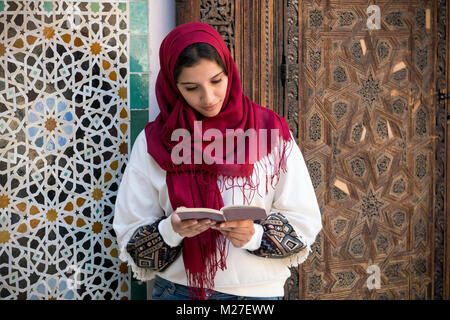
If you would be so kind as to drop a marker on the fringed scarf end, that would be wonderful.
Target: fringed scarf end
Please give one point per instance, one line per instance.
(201, 281)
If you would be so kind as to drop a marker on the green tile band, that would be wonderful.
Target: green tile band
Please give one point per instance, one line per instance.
(138, 290)
(139, 53)
(139, 17)
(138, 120)
(139, 86)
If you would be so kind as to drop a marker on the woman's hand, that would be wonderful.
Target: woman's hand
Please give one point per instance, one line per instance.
(190, 228)
(238, 232)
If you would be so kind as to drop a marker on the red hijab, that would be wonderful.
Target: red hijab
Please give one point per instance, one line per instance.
(195, 185)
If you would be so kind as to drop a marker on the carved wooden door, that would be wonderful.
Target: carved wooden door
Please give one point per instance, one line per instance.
(367, 118)
(358, 88)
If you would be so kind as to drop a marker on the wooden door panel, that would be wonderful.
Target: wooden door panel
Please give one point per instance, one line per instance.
(366, 119)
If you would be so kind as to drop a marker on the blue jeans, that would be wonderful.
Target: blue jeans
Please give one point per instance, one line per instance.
(167, 290)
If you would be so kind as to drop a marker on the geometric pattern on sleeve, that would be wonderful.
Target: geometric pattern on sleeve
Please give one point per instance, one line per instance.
(279, 239)
(148, 249)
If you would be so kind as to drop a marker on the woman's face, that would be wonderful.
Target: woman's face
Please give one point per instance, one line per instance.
(204, 87)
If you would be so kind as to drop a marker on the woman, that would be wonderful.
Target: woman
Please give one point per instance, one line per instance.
(198, 86)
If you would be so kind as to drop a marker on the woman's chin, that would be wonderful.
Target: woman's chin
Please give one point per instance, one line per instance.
(210, 113)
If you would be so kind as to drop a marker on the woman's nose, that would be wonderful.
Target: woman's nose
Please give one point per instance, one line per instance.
(208, 97)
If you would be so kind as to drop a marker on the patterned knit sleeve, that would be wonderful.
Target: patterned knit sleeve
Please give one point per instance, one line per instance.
(148, 249)
(279, 239)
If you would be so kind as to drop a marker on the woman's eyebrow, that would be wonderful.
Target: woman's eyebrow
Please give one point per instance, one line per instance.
(196, 83)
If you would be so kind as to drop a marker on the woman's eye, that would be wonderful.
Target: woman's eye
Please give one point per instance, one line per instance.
(213, 81)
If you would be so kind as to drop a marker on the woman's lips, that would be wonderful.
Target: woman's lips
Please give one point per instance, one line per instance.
(210, 107)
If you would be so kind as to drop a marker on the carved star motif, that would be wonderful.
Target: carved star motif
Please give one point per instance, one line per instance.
(370, 88)
(371, 206)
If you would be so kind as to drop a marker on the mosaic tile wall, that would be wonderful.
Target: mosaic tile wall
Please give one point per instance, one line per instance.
(67, 124)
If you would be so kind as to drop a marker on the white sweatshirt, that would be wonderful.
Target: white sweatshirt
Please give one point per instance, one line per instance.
(143, 198)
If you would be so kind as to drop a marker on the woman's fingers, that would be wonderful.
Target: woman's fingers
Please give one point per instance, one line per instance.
(199, 228)
(242, 227)
(237, 225)
(198, 224)
(238, 232)
(192, 227)
(238, 239)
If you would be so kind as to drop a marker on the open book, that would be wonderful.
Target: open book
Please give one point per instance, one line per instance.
(227, 213)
